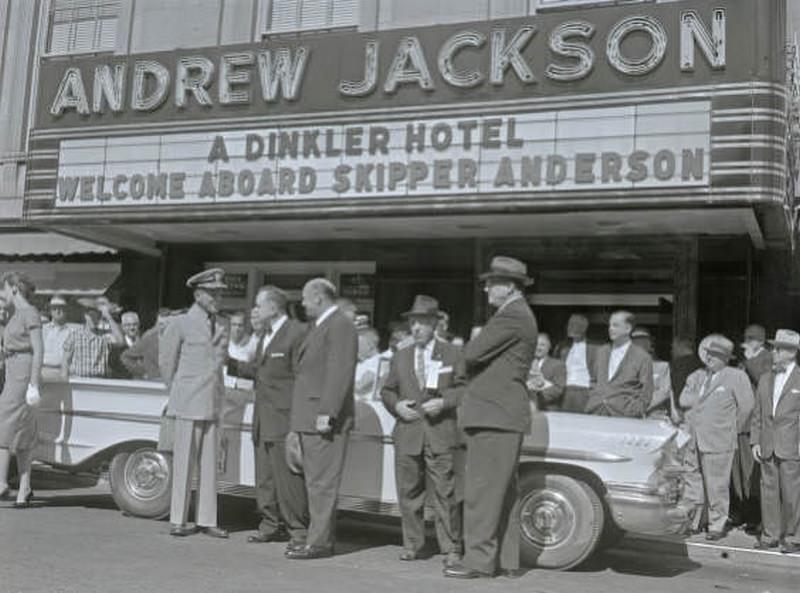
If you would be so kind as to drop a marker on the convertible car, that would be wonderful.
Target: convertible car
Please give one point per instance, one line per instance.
(584, 480)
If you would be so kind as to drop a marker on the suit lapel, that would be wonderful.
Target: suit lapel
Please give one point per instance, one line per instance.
(275, 339)
(791, 383)
(623, 362)
(713, 384)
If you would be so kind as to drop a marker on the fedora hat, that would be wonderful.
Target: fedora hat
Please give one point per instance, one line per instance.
(786, 338)
(424, 306)
(507, 268)
(58, 301)
(210, 279)
(722, 349)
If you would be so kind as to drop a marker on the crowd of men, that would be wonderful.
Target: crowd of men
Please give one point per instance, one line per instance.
(461, 409)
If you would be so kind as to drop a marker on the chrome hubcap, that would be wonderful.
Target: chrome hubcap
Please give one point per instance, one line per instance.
(146, 474)
(547, 518)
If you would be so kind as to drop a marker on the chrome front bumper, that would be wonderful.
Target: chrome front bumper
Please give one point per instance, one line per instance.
(642, 509)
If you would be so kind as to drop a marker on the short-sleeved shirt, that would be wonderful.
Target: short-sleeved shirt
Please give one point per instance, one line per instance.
(90, 353)
(17, 333)
(54, 336)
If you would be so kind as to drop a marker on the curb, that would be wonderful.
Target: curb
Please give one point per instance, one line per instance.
(704, 553)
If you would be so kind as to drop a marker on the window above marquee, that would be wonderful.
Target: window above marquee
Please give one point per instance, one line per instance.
(545, 4)
(82, 26)
(288, 16)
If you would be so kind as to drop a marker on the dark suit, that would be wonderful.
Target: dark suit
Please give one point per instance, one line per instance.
(141, 359)
(424, 447)
(576, 396)
(554, 371)
(778, 435)
(279, 492)
(495, 413)
(745, 476)
(324, 377)
(629, 391)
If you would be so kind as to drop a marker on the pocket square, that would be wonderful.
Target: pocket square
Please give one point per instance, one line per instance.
(444, 370)
(277, 354)
(795, 391)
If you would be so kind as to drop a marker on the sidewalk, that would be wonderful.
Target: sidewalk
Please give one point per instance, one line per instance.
(735, 548)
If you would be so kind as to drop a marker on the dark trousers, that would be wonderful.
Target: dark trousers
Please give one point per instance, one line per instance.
(323, 463)
(575, 399)
(780, 499)
(416, 477)
(280, 494)
(491, 514)
(745, 507)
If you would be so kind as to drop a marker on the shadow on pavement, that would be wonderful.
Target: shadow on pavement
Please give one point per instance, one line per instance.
(639, 563)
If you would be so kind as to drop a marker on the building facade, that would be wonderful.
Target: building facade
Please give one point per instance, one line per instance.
(634, 154)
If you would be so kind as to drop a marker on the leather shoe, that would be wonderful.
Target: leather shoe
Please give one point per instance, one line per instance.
(790, 548)
(294, 546)
(452, 559)
(766, 545)
(309, 553)
(409, 555)
(459, 571)
(264, 538)
(182, 530)
(215, 532)
(511, 573)
(714, 536)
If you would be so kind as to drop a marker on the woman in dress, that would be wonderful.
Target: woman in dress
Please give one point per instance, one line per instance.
(23, 351)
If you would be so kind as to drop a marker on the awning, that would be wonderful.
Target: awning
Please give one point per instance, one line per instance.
(15, 245)
(78, 278)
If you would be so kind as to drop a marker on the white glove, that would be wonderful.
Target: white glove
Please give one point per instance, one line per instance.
(32, 396)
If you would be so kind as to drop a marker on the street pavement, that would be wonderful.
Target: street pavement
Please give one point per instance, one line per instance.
(76, 541)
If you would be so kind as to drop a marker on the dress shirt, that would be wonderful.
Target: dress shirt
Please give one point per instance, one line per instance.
(267, 339)
(617, 354)
(325, 314)
(53, 337)
(577, 369)
(427, 356)
(780, 383)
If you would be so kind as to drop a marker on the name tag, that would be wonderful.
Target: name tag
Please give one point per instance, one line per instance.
(277, 354)
(432, 375)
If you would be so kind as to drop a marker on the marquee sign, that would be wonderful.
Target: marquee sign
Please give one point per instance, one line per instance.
(595, 50)
(604, 148)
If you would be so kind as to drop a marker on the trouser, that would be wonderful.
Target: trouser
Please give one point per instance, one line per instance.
(780, 499)
(280, 494)
(416, 476)
(323, 463)
(195, 441)
(491, 514)
(575, 399)
(745, 506)
(706, 487)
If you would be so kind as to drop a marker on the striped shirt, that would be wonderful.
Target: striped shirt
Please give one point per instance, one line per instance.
(90, 353)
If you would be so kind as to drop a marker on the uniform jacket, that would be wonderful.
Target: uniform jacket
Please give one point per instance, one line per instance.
(324, 375)
(719, 410)
(554, 371)
(629, 391)
(591, 355)
(191, 362)
(274, 373)
(497, 361)
(777, 434)
(440, 431)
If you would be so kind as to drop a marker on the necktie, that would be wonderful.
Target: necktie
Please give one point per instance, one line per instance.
(419, 368)
(213, 320)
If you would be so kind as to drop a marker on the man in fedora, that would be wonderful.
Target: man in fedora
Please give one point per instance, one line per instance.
(191, 355)
(720, 399)
(323, 409)
(775, 439)
(422, 392)
(495, 413)
(87, 349)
